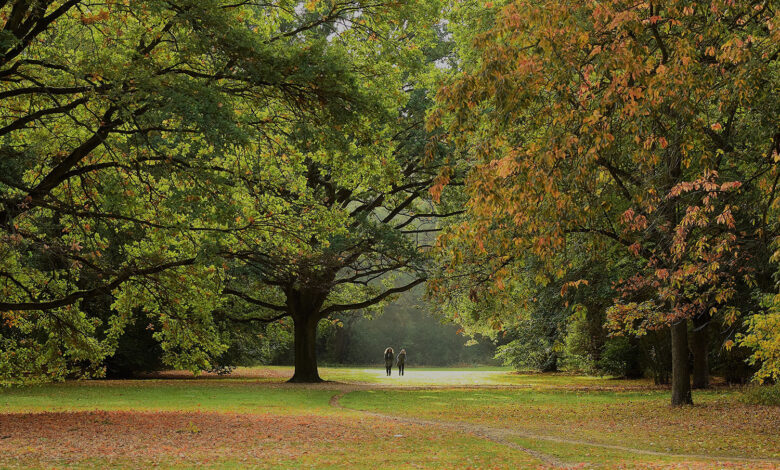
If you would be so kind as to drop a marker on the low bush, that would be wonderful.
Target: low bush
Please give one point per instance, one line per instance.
(762, 395)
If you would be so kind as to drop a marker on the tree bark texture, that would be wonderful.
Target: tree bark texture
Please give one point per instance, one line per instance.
(700, 349)
(681, 377)
(306, 348)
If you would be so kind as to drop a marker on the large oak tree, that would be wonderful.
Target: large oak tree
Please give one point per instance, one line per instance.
(115, 122)
(356, 199)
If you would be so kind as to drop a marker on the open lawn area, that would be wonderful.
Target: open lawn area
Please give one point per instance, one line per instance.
(430, 418)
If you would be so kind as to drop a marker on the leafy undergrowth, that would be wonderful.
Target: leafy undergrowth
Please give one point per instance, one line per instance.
(718, 425)
(141, 439)
(762, 395)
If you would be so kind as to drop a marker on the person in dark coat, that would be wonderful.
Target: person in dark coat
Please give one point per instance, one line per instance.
(389, 361)
(401, 361)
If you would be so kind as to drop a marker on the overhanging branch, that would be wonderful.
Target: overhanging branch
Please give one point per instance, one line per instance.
(374, 300)
(252, 300)
(82, 294)
(257, 319)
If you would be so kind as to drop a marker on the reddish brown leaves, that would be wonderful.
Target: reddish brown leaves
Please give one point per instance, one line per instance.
(239, 373)
(74, 436)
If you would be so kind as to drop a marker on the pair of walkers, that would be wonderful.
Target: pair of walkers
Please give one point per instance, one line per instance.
(400, 360)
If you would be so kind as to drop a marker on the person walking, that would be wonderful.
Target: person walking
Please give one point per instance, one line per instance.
(401, 361)
(389, 361)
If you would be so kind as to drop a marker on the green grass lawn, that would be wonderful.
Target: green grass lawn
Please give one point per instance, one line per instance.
(449, 418)
(212, 396)
(719, 425)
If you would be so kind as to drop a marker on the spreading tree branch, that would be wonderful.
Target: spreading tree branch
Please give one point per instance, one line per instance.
(252, 300)
(83, 294)
(373, 300)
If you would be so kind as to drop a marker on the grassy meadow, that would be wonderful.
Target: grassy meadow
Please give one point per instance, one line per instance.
(359, 418)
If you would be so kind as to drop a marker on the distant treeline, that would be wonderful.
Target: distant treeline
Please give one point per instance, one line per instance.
(351, 340)
(427, 341)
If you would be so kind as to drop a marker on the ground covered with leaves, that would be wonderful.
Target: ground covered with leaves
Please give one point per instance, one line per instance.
(428, 419)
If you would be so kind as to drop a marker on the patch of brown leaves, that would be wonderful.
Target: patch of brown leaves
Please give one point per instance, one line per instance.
(238, 373)
(64, 437)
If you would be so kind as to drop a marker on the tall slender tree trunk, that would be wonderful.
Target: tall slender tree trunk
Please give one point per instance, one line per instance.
(681, 377)
(700, 349)
(306, 348)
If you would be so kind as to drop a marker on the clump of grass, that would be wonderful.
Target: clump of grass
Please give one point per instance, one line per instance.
(190, 428)
(762, 395)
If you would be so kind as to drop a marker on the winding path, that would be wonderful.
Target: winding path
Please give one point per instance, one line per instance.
(502, 435)
(480, 431)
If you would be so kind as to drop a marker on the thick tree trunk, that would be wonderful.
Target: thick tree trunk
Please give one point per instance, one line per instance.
(306, 348)
(700, 349)
(681, 377)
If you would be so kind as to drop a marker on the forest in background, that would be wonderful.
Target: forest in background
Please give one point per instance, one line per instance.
(351, 340)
